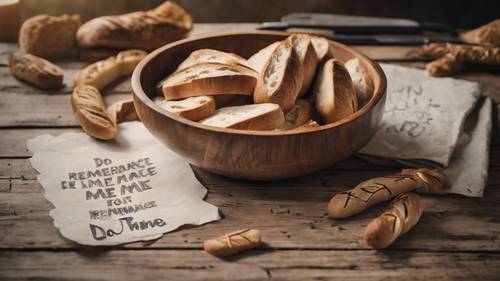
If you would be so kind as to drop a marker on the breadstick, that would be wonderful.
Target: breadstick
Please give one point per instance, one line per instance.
(376, 190)
(233, 243)
(403, 213)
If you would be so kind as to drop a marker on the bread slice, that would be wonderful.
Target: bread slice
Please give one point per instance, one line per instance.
(323, 49)
(258, 60)
(361, 80)
(280, 80)
(265, 116)
(299, 115)
(334, 95)
(207, 79)
(209, 55)
(194, 108)
(308, 59)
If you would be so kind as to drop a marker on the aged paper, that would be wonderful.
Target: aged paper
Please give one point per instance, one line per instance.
(129, 189)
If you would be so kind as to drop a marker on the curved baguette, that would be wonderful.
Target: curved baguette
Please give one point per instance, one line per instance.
(207, 79)
(280, 80)
(361, 80)
(258, 60)
(308, 59)
(265, 116)
(233, 243)
(128, 60)
(49, 36)
(334, 96)
(300, 114)
(146, 30)
(350, 202)
(402, 214)
(35, 70)
(194, 108)
(323, 49)
(90, 111)
(209, 55)
(122, 111)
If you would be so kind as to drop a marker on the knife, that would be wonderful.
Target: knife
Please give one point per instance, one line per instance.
(344, 24)
(388, 39)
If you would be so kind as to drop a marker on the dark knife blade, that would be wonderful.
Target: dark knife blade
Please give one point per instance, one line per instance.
(392, 39)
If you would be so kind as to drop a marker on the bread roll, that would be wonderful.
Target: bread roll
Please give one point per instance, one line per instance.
(145, 30)
(402, 214)
(48, 36)
(266, 116)
(194, 108)
(334, 96)
(37, 71)
(90, 110)
(280, 81)
(308, 59)
(233, 243)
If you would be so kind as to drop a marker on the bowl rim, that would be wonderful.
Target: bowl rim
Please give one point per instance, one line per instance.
(139, 93)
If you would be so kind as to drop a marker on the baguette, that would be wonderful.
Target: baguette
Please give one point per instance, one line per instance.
(207, 79)
(209, 55)
(233, 243)
(48, 36)
(376, 190)
(37, 71)
(402, 214)
(266, 116)
(90, 111)
(323, 49)
(145, 30)
(280, 81)
(194, 108)
(334, 96)
(361, 81)
(308, 59)
(122, 111)
(488, 34)
(258, 60)
(102, 73)
(299, 115)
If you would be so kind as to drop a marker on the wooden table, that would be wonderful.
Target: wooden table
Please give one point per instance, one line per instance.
(456, 239)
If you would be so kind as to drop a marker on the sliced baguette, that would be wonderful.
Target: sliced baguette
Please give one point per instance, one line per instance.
(207, 79)
(258, 60)
(323, 49)
(194, 108)
(280, 80)
(334, 95)
(265, 116)
(308, 59)
(361, 80)
(122, 111)
(299, 115)
(209, 55)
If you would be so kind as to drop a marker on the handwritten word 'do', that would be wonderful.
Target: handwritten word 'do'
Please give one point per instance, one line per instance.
(126, 223)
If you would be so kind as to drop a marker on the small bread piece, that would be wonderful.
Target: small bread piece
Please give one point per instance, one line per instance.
(122, 111)
(308, 59)
(194, 108)
(209, 55)
(128, 60)
(207, 79)
(90, 110)
(280, 81)
(444, 66)
(48, 36)
(403, 213)
(361, 80)
(488, 34)
(258, 60)
(145, 30)
(323, 49)
(265, 116)
(232, 243)
(334, 96)
(299, 115)
(37, 71)
(350, 202)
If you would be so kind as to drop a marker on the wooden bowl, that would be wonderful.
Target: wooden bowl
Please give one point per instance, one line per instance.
(256, 155)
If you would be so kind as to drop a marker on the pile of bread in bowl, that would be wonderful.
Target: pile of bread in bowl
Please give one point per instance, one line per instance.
(294, 84)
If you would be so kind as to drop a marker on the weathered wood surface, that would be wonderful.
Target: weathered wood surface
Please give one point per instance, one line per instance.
(457, 238)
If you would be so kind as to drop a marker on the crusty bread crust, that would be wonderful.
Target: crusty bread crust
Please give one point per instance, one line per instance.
(193, 108)
(361, 80)
(308, 59)
(323, 49)
(48, 36)
(258, 60)
(234, 79)
(280, 80)
(300, 114)
(269, 119)
(209, 55)
(334, 95)
(37, 71)
(90, 111)
(122, 111)
(146, 30)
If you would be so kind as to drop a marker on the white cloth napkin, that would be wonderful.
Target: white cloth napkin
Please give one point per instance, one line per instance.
(434, 122)
(114, 192)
